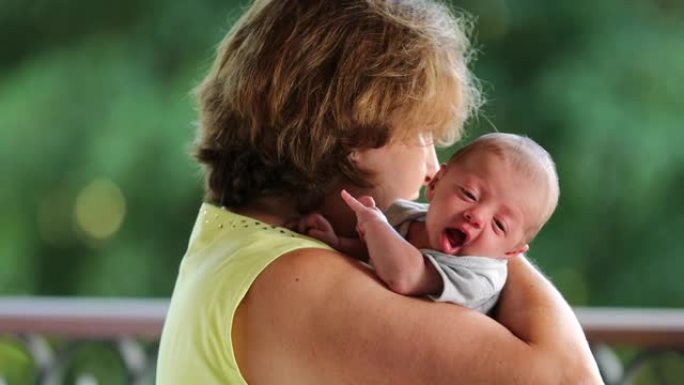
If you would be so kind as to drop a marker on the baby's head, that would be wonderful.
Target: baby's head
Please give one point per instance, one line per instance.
(492, 197)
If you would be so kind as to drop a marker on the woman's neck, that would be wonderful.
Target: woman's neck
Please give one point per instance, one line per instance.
(340, 216)
(274, 211)
(282, 212)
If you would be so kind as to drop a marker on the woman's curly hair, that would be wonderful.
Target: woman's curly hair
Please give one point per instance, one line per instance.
(299, 84)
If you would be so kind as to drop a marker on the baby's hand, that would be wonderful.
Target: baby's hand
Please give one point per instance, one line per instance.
(366, 211)
(316, 226)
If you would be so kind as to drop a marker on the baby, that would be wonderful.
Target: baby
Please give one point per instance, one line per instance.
(485, 206)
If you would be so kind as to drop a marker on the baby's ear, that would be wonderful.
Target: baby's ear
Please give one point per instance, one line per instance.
(432, 184)
(519, 250)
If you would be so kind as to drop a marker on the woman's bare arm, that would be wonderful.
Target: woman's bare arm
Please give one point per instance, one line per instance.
(532, 309)
(316, 317)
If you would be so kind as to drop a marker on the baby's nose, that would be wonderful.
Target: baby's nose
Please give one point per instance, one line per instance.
(474, 218)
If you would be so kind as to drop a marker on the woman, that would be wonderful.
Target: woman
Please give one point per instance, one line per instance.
(306, 98)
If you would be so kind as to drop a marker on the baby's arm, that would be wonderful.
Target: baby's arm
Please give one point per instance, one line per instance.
(397, 262)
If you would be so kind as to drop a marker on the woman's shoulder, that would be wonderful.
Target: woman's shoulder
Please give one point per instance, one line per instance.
(307, 273)
(312, 263)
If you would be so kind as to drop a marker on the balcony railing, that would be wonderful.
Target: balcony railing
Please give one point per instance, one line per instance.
(51, 331)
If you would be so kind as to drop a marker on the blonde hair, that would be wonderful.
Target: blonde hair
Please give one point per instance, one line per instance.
(297, 85)
(527, 156)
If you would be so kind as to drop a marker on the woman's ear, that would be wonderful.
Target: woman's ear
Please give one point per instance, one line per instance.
(354, 156)
(519, 250)
(432, 183)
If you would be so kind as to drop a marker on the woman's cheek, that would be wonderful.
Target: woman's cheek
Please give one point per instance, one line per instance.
(431, 161)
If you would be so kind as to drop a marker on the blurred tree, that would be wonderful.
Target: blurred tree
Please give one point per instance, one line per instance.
(96, 116)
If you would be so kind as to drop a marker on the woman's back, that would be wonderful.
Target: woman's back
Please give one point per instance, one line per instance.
(226, 253)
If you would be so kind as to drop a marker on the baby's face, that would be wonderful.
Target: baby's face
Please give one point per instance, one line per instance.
(481, 206)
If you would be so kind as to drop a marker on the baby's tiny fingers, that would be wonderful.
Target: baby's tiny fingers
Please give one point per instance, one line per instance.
(318, 221)
(352, 202)
(367, 201)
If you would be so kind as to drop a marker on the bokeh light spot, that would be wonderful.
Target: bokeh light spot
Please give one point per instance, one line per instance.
(100, 209)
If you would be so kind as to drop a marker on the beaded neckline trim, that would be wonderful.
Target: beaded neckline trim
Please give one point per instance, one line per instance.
(240, 222)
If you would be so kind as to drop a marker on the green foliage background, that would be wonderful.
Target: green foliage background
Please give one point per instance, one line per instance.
(94, 90)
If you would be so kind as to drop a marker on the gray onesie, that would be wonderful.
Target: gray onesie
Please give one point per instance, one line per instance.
(470, 281)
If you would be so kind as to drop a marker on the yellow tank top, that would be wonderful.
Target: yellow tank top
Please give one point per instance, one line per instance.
(225, 254)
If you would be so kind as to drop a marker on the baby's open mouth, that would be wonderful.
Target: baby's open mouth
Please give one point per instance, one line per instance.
(452, 240)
